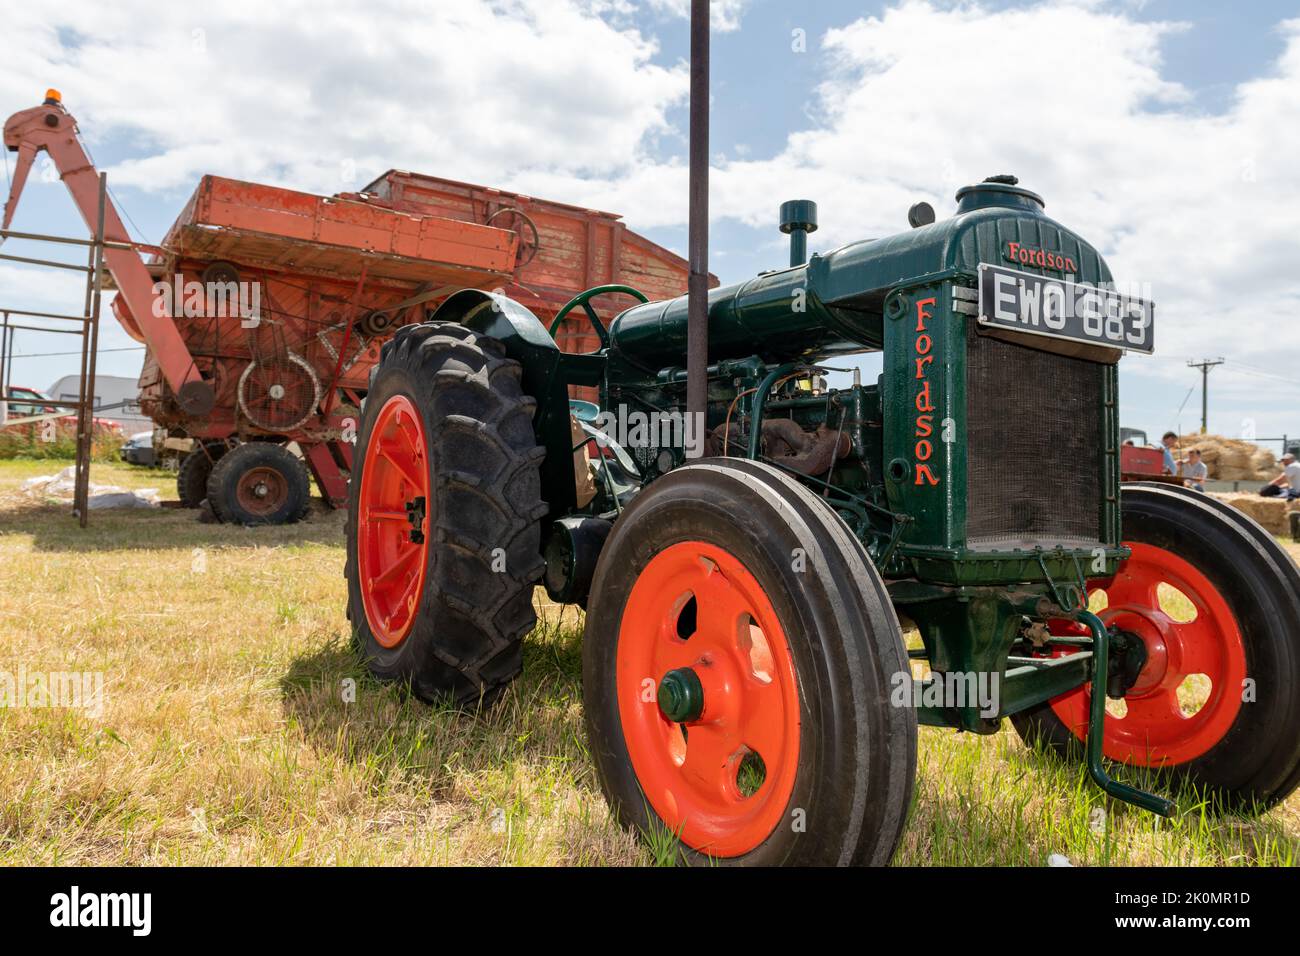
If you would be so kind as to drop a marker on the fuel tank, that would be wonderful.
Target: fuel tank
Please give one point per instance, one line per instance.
(834, 302)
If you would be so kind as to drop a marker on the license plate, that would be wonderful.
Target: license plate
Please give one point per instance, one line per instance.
(1040, 305)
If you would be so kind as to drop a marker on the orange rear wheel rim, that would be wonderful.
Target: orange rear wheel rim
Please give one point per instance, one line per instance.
(695, 606)
(392, 522)
(1155, 732)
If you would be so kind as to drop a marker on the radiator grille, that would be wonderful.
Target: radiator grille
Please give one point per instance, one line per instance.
(1034, 421)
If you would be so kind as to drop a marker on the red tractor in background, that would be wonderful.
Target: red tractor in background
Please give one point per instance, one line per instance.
(264, 309)
(1141, 461)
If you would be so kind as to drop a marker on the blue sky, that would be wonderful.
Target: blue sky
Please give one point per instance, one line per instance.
(1163, 131)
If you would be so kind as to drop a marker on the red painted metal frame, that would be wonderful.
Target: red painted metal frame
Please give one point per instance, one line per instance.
(52, 128)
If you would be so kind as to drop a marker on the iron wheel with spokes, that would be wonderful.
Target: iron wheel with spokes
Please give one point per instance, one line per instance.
(1213, 599)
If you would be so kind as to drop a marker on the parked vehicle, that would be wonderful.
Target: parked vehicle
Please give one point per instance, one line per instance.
(1141, 461)
(139, 449)
(28, 407)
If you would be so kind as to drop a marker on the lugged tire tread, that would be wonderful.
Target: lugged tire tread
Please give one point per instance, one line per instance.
(1241, 785)
(475, 611)
(195, 467)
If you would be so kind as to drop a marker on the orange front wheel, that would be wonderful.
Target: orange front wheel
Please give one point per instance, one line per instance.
(716, 747)
(737, 663)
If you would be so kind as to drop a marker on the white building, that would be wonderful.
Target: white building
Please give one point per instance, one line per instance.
(116, 399)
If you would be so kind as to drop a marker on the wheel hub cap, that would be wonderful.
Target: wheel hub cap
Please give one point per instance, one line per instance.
(681, 695)
(261, 491)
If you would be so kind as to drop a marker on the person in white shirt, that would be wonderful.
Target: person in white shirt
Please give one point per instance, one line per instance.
(1287, 484)
(1194, 471)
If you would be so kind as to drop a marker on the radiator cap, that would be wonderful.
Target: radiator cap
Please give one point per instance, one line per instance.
(1001, 190)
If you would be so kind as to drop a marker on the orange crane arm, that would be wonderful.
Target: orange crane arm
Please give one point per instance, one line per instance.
(52, 128)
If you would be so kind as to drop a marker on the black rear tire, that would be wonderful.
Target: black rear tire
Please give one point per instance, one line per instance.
(483, 522)
(854, 774)
(1256, 762)
(259, 483)
(194, 471)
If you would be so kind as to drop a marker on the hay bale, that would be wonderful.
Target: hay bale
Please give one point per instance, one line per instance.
(1231, 459)
(1266, 466)
(1271, 513)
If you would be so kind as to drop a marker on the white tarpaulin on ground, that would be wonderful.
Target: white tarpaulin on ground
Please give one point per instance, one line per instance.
(63, 484)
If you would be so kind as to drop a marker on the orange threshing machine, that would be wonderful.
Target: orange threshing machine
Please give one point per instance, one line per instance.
(264, 309)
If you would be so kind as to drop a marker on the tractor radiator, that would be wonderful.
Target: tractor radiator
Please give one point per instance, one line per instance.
(1034, 453)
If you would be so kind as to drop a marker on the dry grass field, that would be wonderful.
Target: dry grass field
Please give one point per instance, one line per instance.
(238, 727)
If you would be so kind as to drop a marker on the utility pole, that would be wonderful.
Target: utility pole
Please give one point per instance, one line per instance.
(1205, 365)
(697, 319)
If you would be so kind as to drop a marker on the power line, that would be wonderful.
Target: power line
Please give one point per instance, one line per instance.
(139, 232)
(133, 348)
(1257, 372)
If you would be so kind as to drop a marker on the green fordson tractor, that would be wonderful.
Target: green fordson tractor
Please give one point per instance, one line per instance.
(745, 676)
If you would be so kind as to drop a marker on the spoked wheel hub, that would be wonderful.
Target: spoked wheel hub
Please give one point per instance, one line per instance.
(1189, 639)
(392, 546)
(708, 699)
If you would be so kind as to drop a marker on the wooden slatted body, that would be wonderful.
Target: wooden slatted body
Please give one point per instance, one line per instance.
(578, 248)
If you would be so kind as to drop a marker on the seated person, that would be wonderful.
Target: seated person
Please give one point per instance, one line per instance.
(1194, 471)
(1287, 484)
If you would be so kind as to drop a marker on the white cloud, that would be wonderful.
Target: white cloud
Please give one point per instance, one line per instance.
(1072, 98)
(321, 96)
(567, 99)
(724, 15)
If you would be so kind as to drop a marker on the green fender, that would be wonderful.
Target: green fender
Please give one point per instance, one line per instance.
(547, 372)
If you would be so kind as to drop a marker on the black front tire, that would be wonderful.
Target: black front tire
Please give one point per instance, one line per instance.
(194, 471)
(857, 751)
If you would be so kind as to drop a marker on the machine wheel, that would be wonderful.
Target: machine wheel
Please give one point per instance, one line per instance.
(443, 527)
(259, 482)
(739, 655)
(1243, 638)
(195, 468)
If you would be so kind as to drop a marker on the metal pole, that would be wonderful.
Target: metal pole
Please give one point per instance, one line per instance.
(798, 247)
(98, 276)
(1205, 365)
(9, 360)
(697, 316)
(81, 483)
(1205, 399)
(4, 356)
